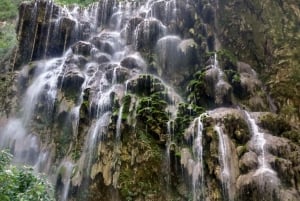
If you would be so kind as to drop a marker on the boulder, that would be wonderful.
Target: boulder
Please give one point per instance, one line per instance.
(130, 29)
(82, 48)
(248, 162)
(133, 61)
(71, 82)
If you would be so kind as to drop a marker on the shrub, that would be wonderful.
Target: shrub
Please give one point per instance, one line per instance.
(21, 183)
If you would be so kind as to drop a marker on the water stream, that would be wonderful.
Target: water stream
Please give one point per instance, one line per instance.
(259, 142)
(224, 154)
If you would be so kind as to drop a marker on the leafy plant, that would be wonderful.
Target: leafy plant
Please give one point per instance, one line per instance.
(21, 183)
(8, 9)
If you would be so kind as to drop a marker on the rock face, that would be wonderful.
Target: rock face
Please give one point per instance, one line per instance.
(265, 35)
(96, 108)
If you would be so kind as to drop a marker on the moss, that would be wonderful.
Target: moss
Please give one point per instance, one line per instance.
(227, 59)
(293, 135)
(197, 90)
(185, 114)
(126, 106)
(274, 123)
(140, 180)
(237, 129)
(241, 150)
(151, 111)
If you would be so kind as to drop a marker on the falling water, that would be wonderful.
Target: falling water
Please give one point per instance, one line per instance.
(198, 151)
(45, 84)
(25, 146)
(119, 122)
(65, 171)
(259, 145)
(224, 160)
(195, 166)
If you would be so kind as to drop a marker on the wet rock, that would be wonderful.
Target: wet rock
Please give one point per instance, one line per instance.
(248, 162)
(148, 32)
(237, 128)
(211, 79)
(107, 42)
(172, 65)
(223, 93)
(78, 60)
(285, 171)
(188, 48)
(31, 45)
(118, 74)
(82, 48)
(158, 10)
(101, 57)
(106, 8)
(274, 123)
(245, 68)
(208, 13)
(102, 45)
(130, 29)
(257, 187)
(134, 61)
(85, 30)
(72, 82)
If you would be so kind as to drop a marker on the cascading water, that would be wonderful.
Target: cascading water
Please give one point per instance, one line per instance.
(43, 88)
(104, 66)
(224, 161)
(65, 172)
(195, 165)
(259, 142)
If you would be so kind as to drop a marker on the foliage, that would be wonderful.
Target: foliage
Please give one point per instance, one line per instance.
(197, 89)
(141, 181)
(21, 183)
(186, 113)
(276, 124)
(7, 38)
(79, 2)
(151, 110)
(227, 59)
(8, 9)
(8, 12)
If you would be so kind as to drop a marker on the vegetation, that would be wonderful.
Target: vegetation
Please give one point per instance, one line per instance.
(79, 2)
(21, 183)
(8, 9)
(8, 12)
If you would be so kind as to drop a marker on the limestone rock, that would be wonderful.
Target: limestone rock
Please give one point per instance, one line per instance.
(248, 162)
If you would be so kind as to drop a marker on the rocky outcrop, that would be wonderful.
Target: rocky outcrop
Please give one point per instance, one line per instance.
(46, 30)
(264, 34)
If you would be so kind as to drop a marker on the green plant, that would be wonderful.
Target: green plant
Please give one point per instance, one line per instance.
(80, 2)
(21, 183)
(8, 9)
(7, 38)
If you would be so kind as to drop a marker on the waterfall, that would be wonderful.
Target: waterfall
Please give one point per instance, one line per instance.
(259, 142)
(65, 172)
(119, 122)
(198, 151)
(195, 165)
(97, 106)
(224, 154)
